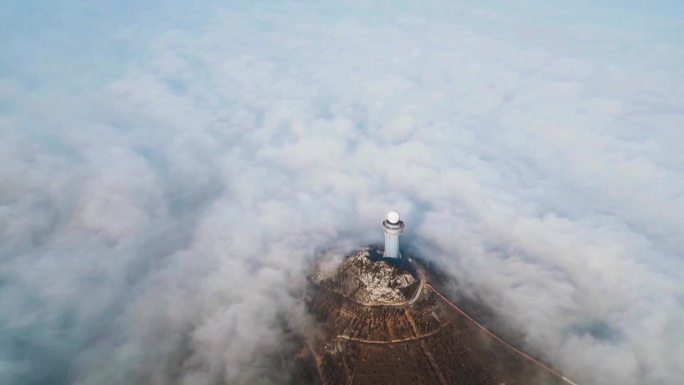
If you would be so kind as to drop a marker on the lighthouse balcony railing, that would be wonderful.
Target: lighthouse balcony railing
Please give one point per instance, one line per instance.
(393, 226)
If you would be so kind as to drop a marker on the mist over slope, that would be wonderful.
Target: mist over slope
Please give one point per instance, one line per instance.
(167, 174)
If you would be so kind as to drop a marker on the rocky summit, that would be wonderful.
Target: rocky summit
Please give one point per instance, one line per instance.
(367, 281)
(384, 323)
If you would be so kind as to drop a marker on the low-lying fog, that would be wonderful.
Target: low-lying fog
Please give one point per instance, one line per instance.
(169, 170)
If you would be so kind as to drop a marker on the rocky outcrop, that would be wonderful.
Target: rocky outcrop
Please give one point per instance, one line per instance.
(366, 281)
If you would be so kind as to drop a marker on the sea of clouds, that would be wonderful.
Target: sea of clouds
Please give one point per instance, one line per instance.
(168, 171)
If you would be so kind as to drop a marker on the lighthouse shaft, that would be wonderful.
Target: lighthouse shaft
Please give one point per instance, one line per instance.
(392, 234)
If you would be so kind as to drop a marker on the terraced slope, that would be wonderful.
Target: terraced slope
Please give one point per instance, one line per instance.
(419, 337)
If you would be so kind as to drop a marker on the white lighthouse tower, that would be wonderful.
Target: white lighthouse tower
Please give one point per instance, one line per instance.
(393, 227)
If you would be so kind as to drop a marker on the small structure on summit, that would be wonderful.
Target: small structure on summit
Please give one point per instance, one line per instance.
(393, 227)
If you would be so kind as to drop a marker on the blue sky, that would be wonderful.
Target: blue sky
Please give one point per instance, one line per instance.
(162, 156)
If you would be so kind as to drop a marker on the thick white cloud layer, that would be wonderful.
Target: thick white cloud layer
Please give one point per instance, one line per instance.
(166, 176)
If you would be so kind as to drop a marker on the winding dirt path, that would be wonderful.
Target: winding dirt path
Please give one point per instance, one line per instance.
(491, 334)
(426, 351)
(393, 341)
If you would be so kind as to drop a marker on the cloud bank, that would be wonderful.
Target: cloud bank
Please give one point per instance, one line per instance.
(167, 174)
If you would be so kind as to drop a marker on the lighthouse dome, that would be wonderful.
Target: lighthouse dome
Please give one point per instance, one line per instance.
(393, 216)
